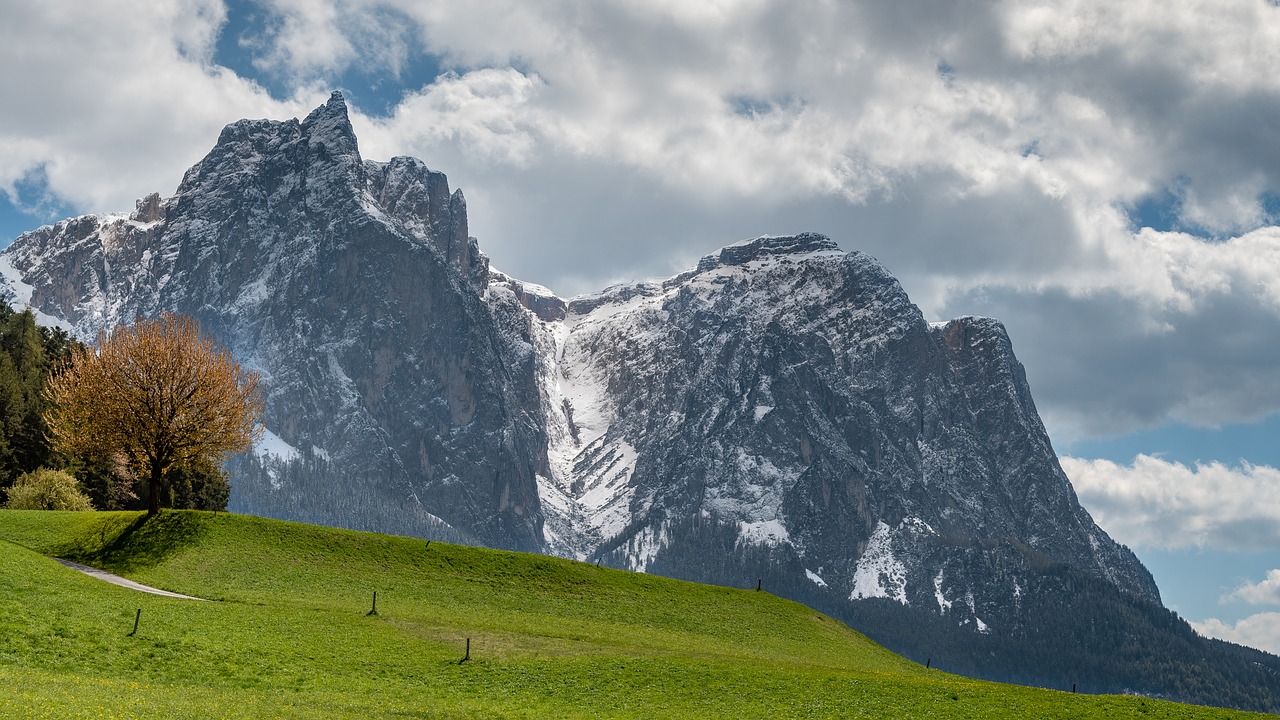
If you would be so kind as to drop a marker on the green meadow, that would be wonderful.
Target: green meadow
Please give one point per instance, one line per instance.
(288, 633)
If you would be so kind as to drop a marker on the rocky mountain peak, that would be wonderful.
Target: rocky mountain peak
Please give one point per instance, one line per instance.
(329, 126)
(766, 246)
(149, 209)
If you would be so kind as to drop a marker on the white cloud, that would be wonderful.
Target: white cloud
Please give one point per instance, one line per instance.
(986, 152)
(307, 42)
(1260, 631)
(111, 100)
(490, 115)
(1266, 592)
(1167, 505)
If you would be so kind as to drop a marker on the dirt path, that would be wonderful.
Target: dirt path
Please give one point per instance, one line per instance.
(122, 582)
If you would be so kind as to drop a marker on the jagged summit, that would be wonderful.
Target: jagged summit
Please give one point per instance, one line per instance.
(767, 246)
(333, 112)
(329, 125)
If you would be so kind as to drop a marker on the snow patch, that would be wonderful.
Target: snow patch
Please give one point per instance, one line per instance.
(767, 532)
(20, 294)
(253, 294)
(982, 627)
(271, 444)
(943, 603)
(644, 546)
(879, 574)
(813, 577)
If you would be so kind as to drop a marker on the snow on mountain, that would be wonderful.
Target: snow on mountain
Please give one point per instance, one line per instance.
(790, 392)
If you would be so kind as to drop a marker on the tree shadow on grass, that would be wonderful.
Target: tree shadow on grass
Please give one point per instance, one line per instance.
(126, 544)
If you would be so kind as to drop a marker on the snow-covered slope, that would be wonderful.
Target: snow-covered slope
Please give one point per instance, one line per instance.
(791, 393)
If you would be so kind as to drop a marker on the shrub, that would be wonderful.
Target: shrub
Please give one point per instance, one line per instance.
(46, 489)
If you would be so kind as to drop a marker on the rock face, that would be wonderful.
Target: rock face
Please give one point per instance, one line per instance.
(790, 394)
(351, 286)
(781, 406)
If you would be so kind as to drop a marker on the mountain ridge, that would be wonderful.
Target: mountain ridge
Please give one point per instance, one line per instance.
(780, 411)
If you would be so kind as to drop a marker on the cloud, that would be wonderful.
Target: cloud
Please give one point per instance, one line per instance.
(1167, 505)
(1198, 346)
(489, 115)
(1266, 592)
(115, 99)
(989, 153)
(1260, 631)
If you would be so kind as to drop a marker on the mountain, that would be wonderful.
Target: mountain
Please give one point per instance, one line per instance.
(781, 415)
(792, 391)
(353, 288)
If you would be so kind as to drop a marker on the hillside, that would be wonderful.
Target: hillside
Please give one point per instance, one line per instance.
(288, 635)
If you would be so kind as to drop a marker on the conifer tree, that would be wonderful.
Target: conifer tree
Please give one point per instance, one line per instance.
(27, 352)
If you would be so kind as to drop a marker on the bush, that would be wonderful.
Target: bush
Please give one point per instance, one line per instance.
(46, 489)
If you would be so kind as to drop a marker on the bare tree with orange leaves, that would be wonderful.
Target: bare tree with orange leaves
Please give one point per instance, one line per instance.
(157, 393)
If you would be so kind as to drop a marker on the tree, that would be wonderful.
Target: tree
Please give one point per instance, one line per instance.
(46, 489)
(158, 394)
(198, 485)
(27, 353)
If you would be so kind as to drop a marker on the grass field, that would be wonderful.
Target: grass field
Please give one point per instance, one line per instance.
(288, 635)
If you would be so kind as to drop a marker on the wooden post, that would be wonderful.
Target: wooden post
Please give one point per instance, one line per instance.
(428, 545)
(597, 562)
(374, 611)
(927, 663)
(136, 618)
(468, 655)
(759, 584)
(1073, 687)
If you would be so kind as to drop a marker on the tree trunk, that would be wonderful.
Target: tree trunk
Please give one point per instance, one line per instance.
(157, 479)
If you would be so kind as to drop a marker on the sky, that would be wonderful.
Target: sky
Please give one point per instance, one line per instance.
(1103, 177)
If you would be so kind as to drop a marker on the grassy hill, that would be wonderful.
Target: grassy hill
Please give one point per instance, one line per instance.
(288, 635)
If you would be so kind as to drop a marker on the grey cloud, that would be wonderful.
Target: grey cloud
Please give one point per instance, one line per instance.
(546, 224)
(1107, 362)
(625, 159)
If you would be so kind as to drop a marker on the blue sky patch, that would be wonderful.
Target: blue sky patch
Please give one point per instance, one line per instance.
(946, 73)
(1270, 202)
(34, 206)
(1162, 211)
(374, 83)
(1230, 444)
(1193, 582)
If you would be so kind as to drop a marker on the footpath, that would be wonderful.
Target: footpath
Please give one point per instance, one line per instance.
(122, 582)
